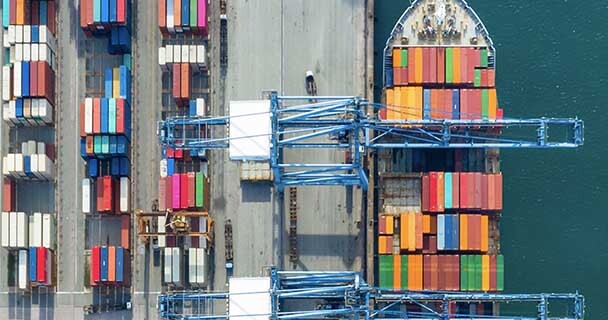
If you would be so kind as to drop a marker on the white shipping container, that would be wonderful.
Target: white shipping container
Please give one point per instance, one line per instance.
(19, 34)
(35, 50)
(17, 80)
(162, 241)
(32, 230)
(22, 228)
(36, 108)
(12, 240)
(27, 52)
(12, 109)
(32, 146)
(86, 195)
(45, 111)
(19, 52)
(36, 233)
(201, 266)
(5, 41)
(40, 148)
(5, 166)
(6, 83)
(168, 265)
(163, 168)
(5, 112)
(169, 54)
(177, 54)
(45, 166)
(44, 53)
(201, 109)
(192, 265)
(27, 34)
(23, 266)
(185, 54)
(45, 36)
(176, 265)
(11, 52)
(34, 163)
(192, 53)
(19, 165)
(201, 56)
(124, 194)
(5, 222)
(48, 231)
(9, 164)
(202, 227)
(170, 16)
(88, 115)
(162, 59)
(11, 34)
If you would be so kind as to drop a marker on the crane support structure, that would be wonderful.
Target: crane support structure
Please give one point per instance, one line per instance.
(341, 123)
(345, 295)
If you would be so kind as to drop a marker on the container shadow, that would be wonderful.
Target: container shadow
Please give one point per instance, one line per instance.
(256, 191)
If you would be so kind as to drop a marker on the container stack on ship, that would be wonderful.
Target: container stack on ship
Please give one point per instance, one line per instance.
(28, 104)
(183, 186)
(439, 209)
(105, 137)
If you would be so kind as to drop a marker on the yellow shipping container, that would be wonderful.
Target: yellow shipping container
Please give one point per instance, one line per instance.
(426, 223)
(396, 57)
(414, 272)
(390, 103)
(115, 83)
(397, 272)
(390, 224)
(484, 233)
(419, 65)
(464, 232)
(485, 272)
(403, 234)
(493, 105)
(456, 65)
(382, 245)
(411, 233)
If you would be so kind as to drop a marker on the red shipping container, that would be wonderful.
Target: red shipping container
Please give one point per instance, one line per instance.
(471, 189)
(41, 257)
(464, 104)
(484, 192)
(13, 12)
(83, 13)
(498, 191)
(464, 190)
(100, 190)
(34, 92)
(434, 273)
(162, 16)
(491, 191)
(176, 81)
(425, 193)
(191, 186)
(403, 72)
(111, 263)
(426, 65)
(8, 192)
(441, 277)
(491, 78)
(177, 12)
(433, 244)
(194, 226)
(455, 190)
(120, 116)
(107, 193)
(169, 192)
(492, 273)
(185, 82)
(464, 62)
(478, 176)
(170, 153)
(162, 196)
(426, 272)
(476, 98)
(50, 16)
(95, 265)
(471, 62)
(125, 227)
(411, 66)
(397, 76)
(433, 192)
(121, 11)
(81, 120)
(477, 56)
(440, 65)
(456, 272)
(183, 191)
(484, 77)
(116, 196)
(433, 65)
(382, 225)
(90, 19)
(179, 153)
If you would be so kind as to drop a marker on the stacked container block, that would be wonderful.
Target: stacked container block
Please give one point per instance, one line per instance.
(101, 16)
(443, 191)
(182, 16)
(110, 266)
(34, 162)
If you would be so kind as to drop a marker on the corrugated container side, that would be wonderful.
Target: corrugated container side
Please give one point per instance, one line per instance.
(111, 264)
(125, 227)
(167, 277)
(385, 271)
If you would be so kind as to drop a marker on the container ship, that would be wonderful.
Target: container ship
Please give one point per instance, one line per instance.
(438, 210)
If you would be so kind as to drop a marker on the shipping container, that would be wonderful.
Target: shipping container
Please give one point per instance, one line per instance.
(95, 265)
(124, 194)
(125, 227)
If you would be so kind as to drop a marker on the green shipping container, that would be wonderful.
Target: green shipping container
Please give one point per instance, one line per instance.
(471, 272)
(7, 56)
(385, 271)
(126, 61)
(464, 273)
(200, 190)
(105, 144)
(449, 66)
(477, 77)
(448, 190)
(485, 103)
(403, 57)
(484, 58)
(500, 272)
(97, 144)
(97, 10)
(193, 11)
(478, 275)
(404, 279)
(112, 116)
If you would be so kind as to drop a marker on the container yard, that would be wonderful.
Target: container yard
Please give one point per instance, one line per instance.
(151, 170)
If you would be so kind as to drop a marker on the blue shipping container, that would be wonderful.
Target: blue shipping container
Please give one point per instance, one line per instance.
(125, 85)
(42, 12)
(115, 167)
(105, 144)
(112, 116)
(105, 11)
(35, 34)
(170, 166)
(186, 14)
(113, 147)
(448, 231)
(427, 104)
(104, 263)
(455, 104)
(108, 83)
(83, 148)
(122, 143)
(27, 165)
(104, 115)
(128, 120)
(97, 144)
(113, 11)
(124, 167)
(93, 165)
(388, 78)
(119, 264)
(192, 108)
(455, 232)
(19, 108)
(32, 257)
(5, 13)
(25, 79)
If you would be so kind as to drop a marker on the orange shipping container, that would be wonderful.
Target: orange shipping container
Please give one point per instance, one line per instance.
(426, 223)
(385, 224)
(464, 63)
(385, 245)
(418, 230)
(396, 57)
(464, 232)
(498, 191)
(390, 103)
(411, 232)
(491, 78)
(433, 65)
(485, 273)
(440, 65)
(177, 12)
(440, 191)
(397, 272)
(411, 66)
(419, 65)
(490, 190)
(185, 86)
(111, 264)
(125, 224)
(456, 63)
(493, 105)
(426, 65)
(403, 232)
(434, 273)
(484, 233)
(414, 272)
(426, 272)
